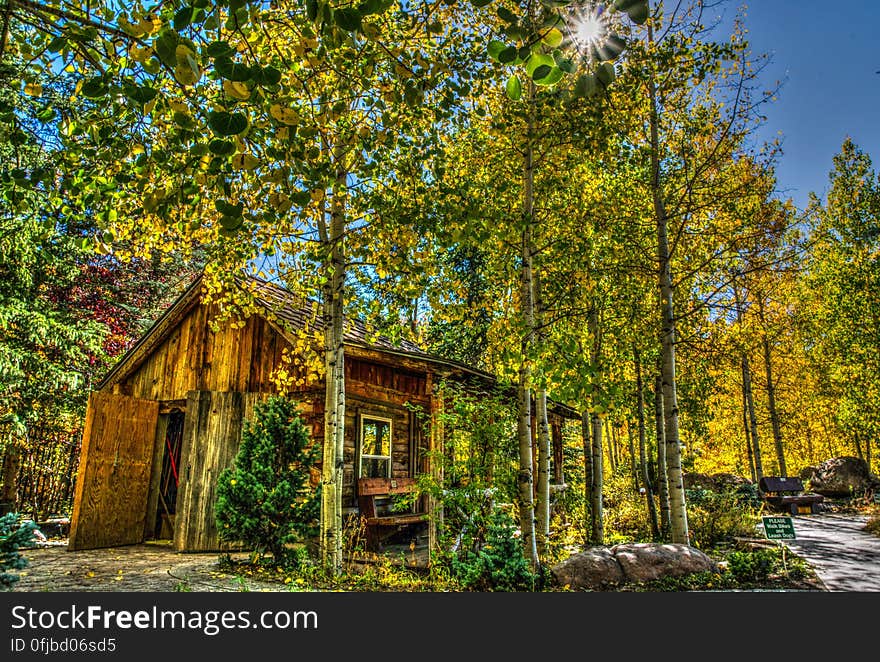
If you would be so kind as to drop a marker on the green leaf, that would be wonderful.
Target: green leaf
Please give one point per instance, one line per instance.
(139, 94)
(638, 14)
(541, 71)
(221, 147)
(183, 120)
(267, 75)
(553, 76)
(624, 5)
(228, 209)
(506, 15)
(235, 71)
(94, 88)
(537, 60)
(227, 124)
(553, 37)
(47, 114)
(508, 55)
(566, 65)
(183, 17)
(605, 73)
(231, 222)
(312, 9)
(348, 19)
(301, 198)
(585, 86)
(495, 47)
(57, 44)
(165, 46)
(219, 49)
(373, 7)
(481, 3)
(513, 88)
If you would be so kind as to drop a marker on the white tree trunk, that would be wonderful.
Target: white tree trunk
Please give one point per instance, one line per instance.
(660, 433)
(334, 412)
(677, 507)
(526, 478)
(543, 498)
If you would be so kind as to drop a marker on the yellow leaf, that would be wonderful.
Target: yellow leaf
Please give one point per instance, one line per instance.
(245, 162)
(283, 114)
(140, 54)
(236, 90)
(149, 23)
(90, 574)
(33, 89)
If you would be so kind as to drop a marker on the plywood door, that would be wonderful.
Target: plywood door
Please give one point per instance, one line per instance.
(211, 437)
(110, 501)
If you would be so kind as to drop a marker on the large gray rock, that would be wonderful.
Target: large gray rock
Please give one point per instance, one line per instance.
(595, 569)
(603, 568)
(646, 562)
(807, 472)
(842, 477)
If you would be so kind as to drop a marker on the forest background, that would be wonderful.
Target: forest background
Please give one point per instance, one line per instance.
(589, 213)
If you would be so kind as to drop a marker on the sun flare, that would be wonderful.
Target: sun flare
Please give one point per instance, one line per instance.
(588, 28)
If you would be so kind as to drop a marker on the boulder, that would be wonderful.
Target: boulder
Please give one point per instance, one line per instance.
(806, 473)
(603, 568)
(595, 569)
(646, 562)
(842, 477)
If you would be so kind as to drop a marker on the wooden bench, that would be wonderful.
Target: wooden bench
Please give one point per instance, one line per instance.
(787, 495)
(374, 501)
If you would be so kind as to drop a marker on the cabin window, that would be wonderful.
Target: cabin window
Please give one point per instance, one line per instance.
(375, 447)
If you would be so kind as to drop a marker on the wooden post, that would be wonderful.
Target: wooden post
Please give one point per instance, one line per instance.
(435, 460)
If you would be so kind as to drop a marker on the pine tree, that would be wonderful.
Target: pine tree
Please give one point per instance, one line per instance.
(13, 536)
(265, 500)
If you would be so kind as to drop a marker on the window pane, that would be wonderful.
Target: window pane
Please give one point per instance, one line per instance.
(374, 468)
(376, 438)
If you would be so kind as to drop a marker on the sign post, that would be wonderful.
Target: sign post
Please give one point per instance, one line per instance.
(779, 528)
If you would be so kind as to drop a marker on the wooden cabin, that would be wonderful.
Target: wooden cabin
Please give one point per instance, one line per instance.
(167, 419)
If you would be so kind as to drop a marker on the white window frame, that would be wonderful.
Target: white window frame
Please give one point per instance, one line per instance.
(361, 455)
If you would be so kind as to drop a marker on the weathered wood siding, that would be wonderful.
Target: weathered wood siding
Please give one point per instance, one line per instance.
(243, 359)
(110, 502)
(195, 358)
(211, 438)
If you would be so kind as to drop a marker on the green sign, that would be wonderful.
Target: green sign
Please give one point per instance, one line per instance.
(779, 528)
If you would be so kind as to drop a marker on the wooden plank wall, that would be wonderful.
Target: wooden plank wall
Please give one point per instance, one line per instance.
(195, 358)
(211, 437)
(110, 501)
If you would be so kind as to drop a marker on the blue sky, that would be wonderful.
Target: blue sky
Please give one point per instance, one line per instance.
(827, 55)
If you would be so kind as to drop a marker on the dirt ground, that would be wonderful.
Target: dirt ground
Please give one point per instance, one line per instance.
(148, 567)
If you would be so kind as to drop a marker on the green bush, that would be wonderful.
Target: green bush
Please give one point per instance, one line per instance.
(12, 538)
(751, 566)
(716, 517)
(499, 564)
(265, 500)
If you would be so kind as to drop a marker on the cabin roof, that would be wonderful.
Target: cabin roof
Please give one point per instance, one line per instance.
(290, 313)
(300, 313)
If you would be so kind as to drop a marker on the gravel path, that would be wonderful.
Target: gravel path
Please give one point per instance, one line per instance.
(843, 554)
(147, 567)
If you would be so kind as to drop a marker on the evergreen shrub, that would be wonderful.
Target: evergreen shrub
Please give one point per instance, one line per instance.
(265, 500)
